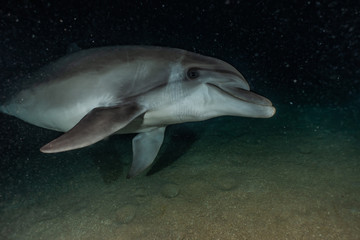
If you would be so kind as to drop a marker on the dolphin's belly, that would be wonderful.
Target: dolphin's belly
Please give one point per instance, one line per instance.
(59, 118)
(54, 109)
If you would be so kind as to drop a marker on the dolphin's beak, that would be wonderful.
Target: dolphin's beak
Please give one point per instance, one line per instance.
(246, 103)
(243, 94)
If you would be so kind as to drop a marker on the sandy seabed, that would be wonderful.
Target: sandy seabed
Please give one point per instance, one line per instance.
(240, 179)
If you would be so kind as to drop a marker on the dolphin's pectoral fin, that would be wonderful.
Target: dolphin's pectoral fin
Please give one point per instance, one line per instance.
(146, 146)
(95, 126)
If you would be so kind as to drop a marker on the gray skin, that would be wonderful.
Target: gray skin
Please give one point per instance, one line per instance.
(94, 93)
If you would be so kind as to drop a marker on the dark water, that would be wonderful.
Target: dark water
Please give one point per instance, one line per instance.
(294, 176)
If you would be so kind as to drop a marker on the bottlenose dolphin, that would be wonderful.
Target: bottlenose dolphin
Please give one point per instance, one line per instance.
(94, 93)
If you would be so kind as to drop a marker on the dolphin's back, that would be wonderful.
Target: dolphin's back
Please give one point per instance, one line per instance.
(95, 59)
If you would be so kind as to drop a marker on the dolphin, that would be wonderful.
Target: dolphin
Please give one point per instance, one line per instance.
(94, 93)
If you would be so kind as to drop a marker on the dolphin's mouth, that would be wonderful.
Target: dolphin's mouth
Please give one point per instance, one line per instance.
(244, 95)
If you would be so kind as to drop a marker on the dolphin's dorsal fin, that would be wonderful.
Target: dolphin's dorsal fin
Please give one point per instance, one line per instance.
(95, 126)
(146, 146)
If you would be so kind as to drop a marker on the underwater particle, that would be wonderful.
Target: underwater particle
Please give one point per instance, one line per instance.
(305, 149)
(141, 195)
(140, 192)
(125, 214)
(226, 183)
(170, 190)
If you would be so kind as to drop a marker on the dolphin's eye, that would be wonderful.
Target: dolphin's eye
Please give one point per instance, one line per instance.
(192, 73)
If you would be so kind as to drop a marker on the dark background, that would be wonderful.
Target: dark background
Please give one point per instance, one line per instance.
(294, 52)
